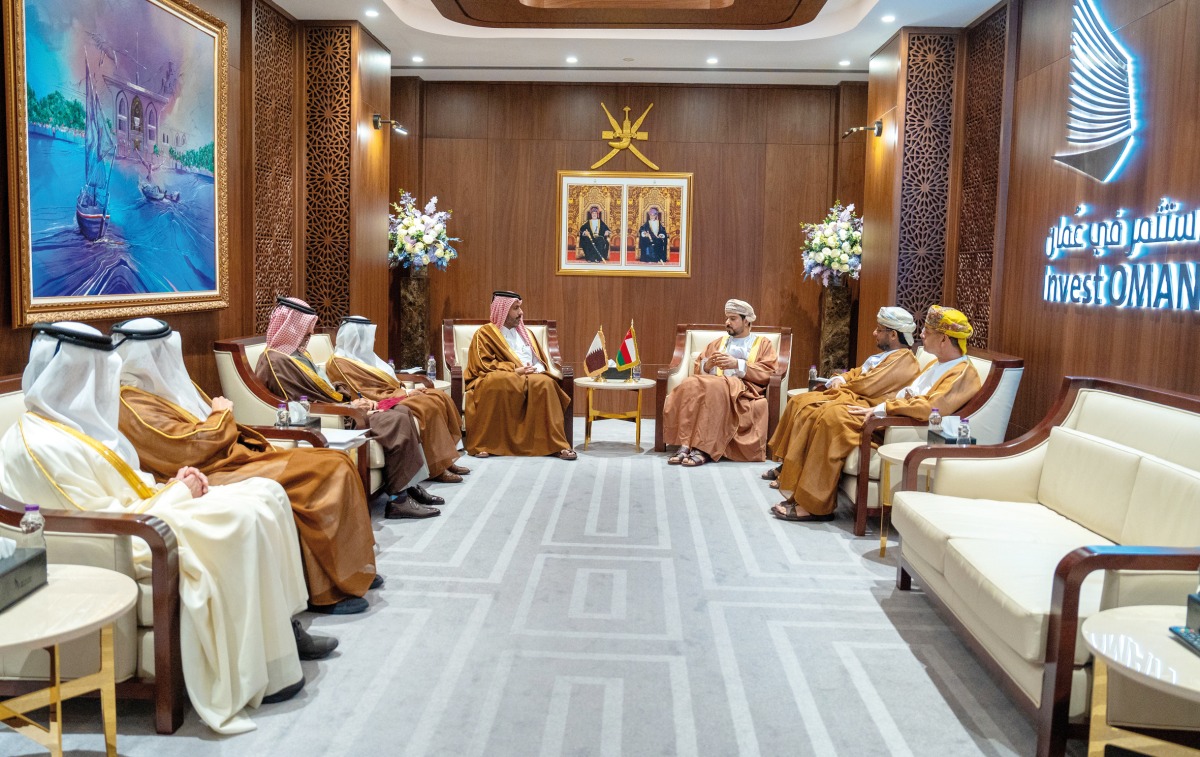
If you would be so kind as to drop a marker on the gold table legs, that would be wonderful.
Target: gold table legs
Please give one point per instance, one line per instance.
(593, 414)
(12, 711)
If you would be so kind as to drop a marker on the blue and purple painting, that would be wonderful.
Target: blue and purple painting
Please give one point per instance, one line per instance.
(122, 135)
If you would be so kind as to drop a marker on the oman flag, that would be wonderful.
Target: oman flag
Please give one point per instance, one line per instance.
(627, 356)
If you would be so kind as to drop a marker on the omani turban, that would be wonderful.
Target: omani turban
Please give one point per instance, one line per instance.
(740, 307)
(950, 322)
(900, 320)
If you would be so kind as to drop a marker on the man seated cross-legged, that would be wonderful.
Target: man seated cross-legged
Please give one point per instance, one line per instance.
(172, 424)
(721, 409)
(514, 405)
(355, 365)
(836, 428)
(878, 379)
(240, 572)
(288, 371)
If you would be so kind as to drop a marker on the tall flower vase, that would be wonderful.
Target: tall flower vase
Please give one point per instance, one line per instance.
(411, 301)
(835, 327)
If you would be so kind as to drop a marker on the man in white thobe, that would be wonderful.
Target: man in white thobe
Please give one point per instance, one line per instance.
(240, 574)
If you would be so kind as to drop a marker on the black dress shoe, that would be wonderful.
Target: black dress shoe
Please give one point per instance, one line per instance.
(312, 647)
(347, 606)
(285, 693)
(376, 582)
(425, 498)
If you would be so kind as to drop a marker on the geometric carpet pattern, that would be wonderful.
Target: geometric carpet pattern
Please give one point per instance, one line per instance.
(617, 605)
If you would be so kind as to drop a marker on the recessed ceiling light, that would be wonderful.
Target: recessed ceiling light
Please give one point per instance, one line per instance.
(711, 61)
(628, 60)
(572, 59)
(843, 62)
(371, 13)
(888, 19)
(418, 59)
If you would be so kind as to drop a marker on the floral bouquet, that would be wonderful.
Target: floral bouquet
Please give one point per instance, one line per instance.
(418, 237)
(834, 246)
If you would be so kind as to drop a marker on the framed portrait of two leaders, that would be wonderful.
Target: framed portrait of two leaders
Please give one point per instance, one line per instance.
(624, 224)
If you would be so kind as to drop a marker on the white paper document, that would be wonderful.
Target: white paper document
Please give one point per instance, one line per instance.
(342, 438)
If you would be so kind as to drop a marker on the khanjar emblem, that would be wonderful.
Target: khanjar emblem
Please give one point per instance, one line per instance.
(1102, 119)
(622, 136)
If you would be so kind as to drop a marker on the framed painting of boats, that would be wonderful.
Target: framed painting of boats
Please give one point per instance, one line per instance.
(117, 158)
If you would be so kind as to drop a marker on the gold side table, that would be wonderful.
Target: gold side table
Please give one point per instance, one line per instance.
(618, 385)
(75, 601)
(889, 455)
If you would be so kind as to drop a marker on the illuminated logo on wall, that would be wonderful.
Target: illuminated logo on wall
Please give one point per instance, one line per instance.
(1125, 283)
(1103, 116)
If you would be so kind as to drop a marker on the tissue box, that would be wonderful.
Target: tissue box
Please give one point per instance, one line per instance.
(312, 424)
(21, 574)
(941, 437)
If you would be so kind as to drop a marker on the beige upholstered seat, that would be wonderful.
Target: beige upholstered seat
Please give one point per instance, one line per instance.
(146, 639)
(456, 342)
(989, 411)
(1021, 541)
(690, 341)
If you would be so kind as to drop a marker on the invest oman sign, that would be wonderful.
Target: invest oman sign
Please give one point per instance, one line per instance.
(1118, 269)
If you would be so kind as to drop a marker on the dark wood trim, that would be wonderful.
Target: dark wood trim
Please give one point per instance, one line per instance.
(567, 382)
(862, 510)
(1053, 727)
(167, 687)
(774, 385)
(1012, 29)
(315, 438)
(954, 178)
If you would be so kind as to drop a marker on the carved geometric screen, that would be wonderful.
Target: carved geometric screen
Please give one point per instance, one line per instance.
(925, 170)
(984, 90)
(327, 62)
(274, 60)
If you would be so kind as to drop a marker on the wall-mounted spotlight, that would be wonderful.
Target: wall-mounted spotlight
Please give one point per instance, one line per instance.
(875, 128)
(378, 121)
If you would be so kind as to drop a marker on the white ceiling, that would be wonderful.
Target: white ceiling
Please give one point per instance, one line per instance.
(844, 30)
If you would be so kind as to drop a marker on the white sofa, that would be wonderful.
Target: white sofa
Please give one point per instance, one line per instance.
(690, 341)
(146, 639)
(1096, 507)
(457, 334)
(989, 411)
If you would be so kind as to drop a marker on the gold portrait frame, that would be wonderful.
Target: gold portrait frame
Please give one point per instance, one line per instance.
(669, 193)
(26, 308)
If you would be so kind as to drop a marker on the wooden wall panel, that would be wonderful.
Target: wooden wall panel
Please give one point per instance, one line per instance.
(404, 173)
(200, 329)
(877, 285)
(369, 180)
(1143, 346)
(763, 160)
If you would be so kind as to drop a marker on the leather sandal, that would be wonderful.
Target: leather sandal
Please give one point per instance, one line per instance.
(566, 454)
(788, 513)
(678, 457)
(695, 459)
(480, 455)
(772, 474)
(774, 484)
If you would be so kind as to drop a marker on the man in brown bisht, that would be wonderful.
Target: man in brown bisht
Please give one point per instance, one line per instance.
(288, 371)
(172, 425)
(721, 409)
(878, 379)
(355, 364)
(514, 405)
(836, 428)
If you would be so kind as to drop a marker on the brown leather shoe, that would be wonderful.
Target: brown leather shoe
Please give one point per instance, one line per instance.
(447, 477)
(460, 470)
(406, 508)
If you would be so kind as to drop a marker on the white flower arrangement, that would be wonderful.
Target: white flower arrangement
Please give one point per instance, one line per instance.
(834, 246)
(418, 238)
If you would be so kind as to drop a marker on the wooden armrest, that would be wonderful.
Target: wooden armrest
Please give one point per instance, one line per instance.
(323, 408)
(874, 424)
(418, 378)
(1063, 627)
(314, 438)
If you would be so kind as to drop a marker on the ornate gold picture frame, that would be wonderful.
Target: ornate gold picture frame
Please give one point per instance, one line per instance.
(624, 224)
(117, 129)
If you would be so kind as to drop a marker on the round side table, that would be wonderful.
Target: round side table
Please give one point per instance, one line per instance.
(75, 601)
(592, 385)
(889, 455)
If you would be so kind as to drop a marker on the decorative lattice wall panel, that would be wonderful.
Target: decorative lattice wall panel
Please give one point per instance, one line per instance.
(327, 51)
(925, 170)
(984, 90)
(274, 60)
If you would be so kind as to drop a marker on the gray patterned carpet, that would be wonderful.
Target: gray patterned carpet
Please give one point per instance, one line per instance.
(618, 606)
